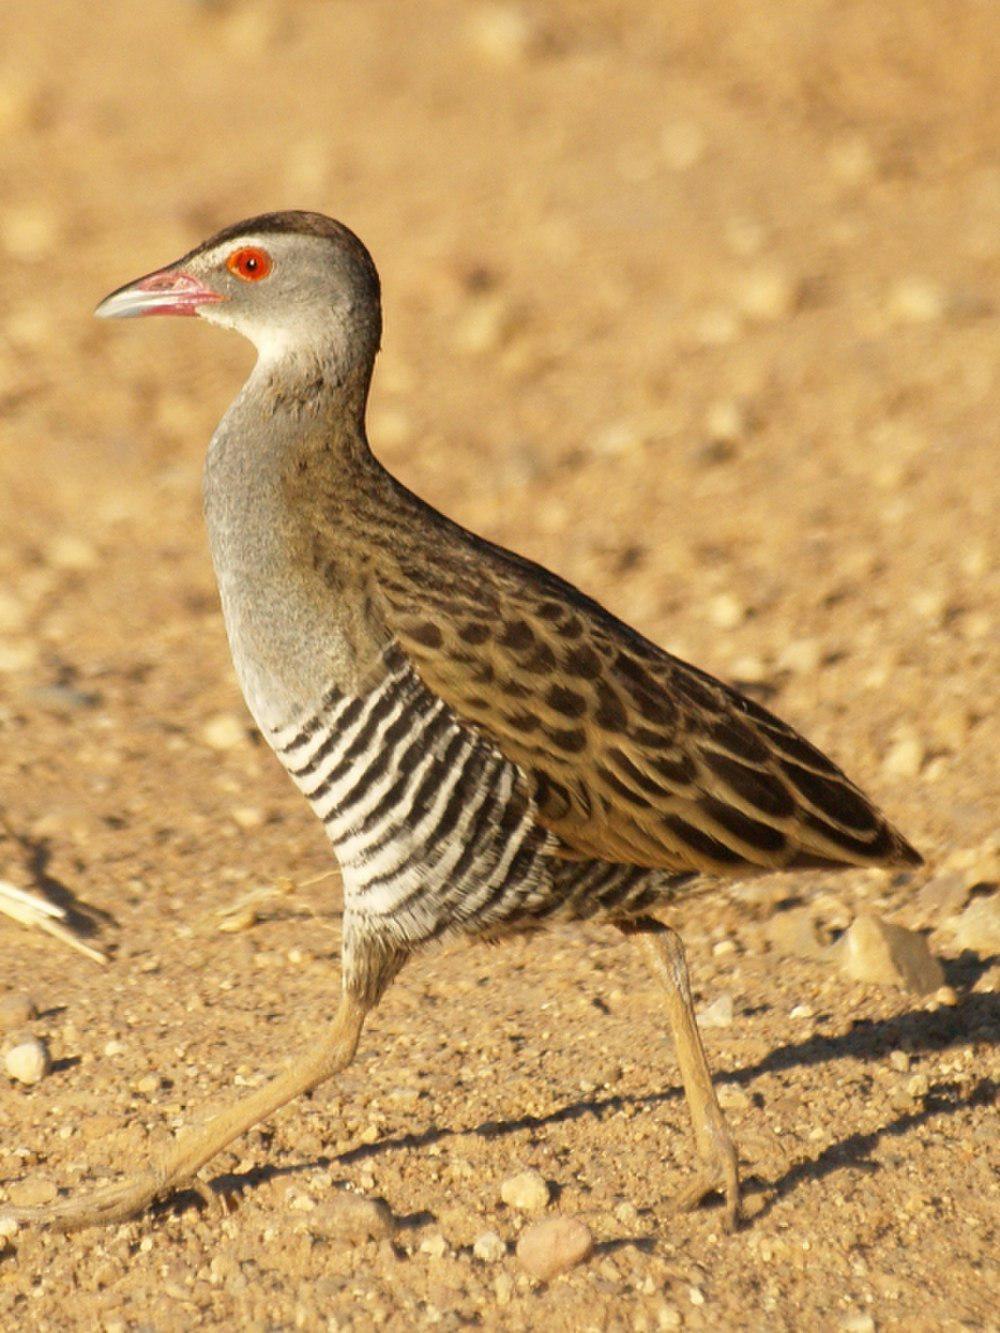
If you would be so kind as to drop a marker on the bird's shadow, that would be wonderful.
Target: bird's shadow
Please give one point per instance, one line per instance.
(916, 1031)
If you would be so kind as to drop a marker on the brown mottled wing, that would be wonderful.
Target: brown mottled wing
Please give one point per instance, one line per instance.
(636, 757)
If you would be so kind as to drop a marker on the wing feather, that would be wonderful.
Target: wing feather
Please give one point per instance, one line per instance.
(634, 755)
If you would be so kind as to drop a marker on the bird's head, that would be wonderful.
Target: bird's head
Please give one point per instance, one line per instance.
(291, 282)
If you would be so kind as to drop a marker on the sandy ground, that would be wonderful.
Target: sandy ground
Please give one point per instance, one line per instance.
(696, 303)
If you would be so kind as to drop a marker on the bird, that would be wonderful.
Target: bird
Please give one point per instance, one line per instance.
(489, 750)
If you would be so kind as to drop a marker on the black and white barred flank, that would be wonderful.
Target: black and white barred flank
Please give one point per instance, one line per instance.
(434, 830)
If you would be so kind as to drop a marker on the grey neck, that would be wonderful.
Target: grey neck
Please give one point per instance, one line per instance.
(295, 426)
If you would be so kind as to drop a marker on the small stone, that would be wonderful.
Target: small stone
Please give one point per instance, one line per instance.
(852, 161)
(223, 731)
(485, 324)
(745, 236)
(391, 427)
(34, 1193)
(905, 757)
(13, 614)
(732, 1097)
(29, 233)
(16, 1009)
(668, 1316)
(801, 656)
(114, 1047)
(942, 896)
(627, 1214)
(248, 816)
(148, 1084)
(354, 1218)
(489, 1248)
(793, 934)
(435, 1246)
(858, 1323)
(501, 34)
(549, 1248)
(872, 950)
(978, 927)
(917, 300)
(802, 1011)
(718, 1014)
(528, 1191)
(9, 1227)
(27, 1059)
(616, 440)
(767, 294)
(725, 611)
(683, 144)
(725, 422)
(716, 327)
(900, 1061)
(696, 1296)
(68, 552)
(945, 997)
(918, 1086)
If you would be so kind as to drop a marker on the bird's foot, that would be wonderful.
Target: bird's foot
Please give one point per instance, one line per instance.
(719, 1173)
(119, 1202)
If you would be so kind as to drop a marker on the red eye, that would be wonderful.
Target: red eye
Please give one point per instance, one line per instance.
(250, 263)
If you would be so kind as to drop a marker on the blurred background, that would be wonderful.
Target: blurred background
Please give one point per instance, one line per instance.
(696, 302)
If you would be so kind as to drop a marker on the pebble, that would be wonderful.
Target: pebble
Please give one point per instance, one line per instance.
(942, 896)
(683, 144)
(716, 326)
(852, 161)
(801, 656)
(501, 34)
(248, 816)
(725, 611)
(149, 1083)
(68, 552)
(978, 927)
(858, 1323)
(29, 233)
(668, 1316)
(549, 1248)
(16, 1009)
(32, 1193)
(725, 422)
(945, 997)
(223, 731)
(528, 1191)
(793, 934)
(918, 1086)
(732, 1097)
(435, 1246)
(900, 1061)
(353, 1218)
(391, 427)
(718, 1014)
(767, 294)
(484, 325)
(13, 614)
(27, 1060)
(802, 1011)
(489, 1247)
(873, 950)
(917, 300)
(905, 757)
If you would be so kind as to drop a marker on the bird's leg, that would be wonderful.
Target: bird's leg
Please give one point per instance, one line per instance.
(179, 1165)
(719, 1161)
